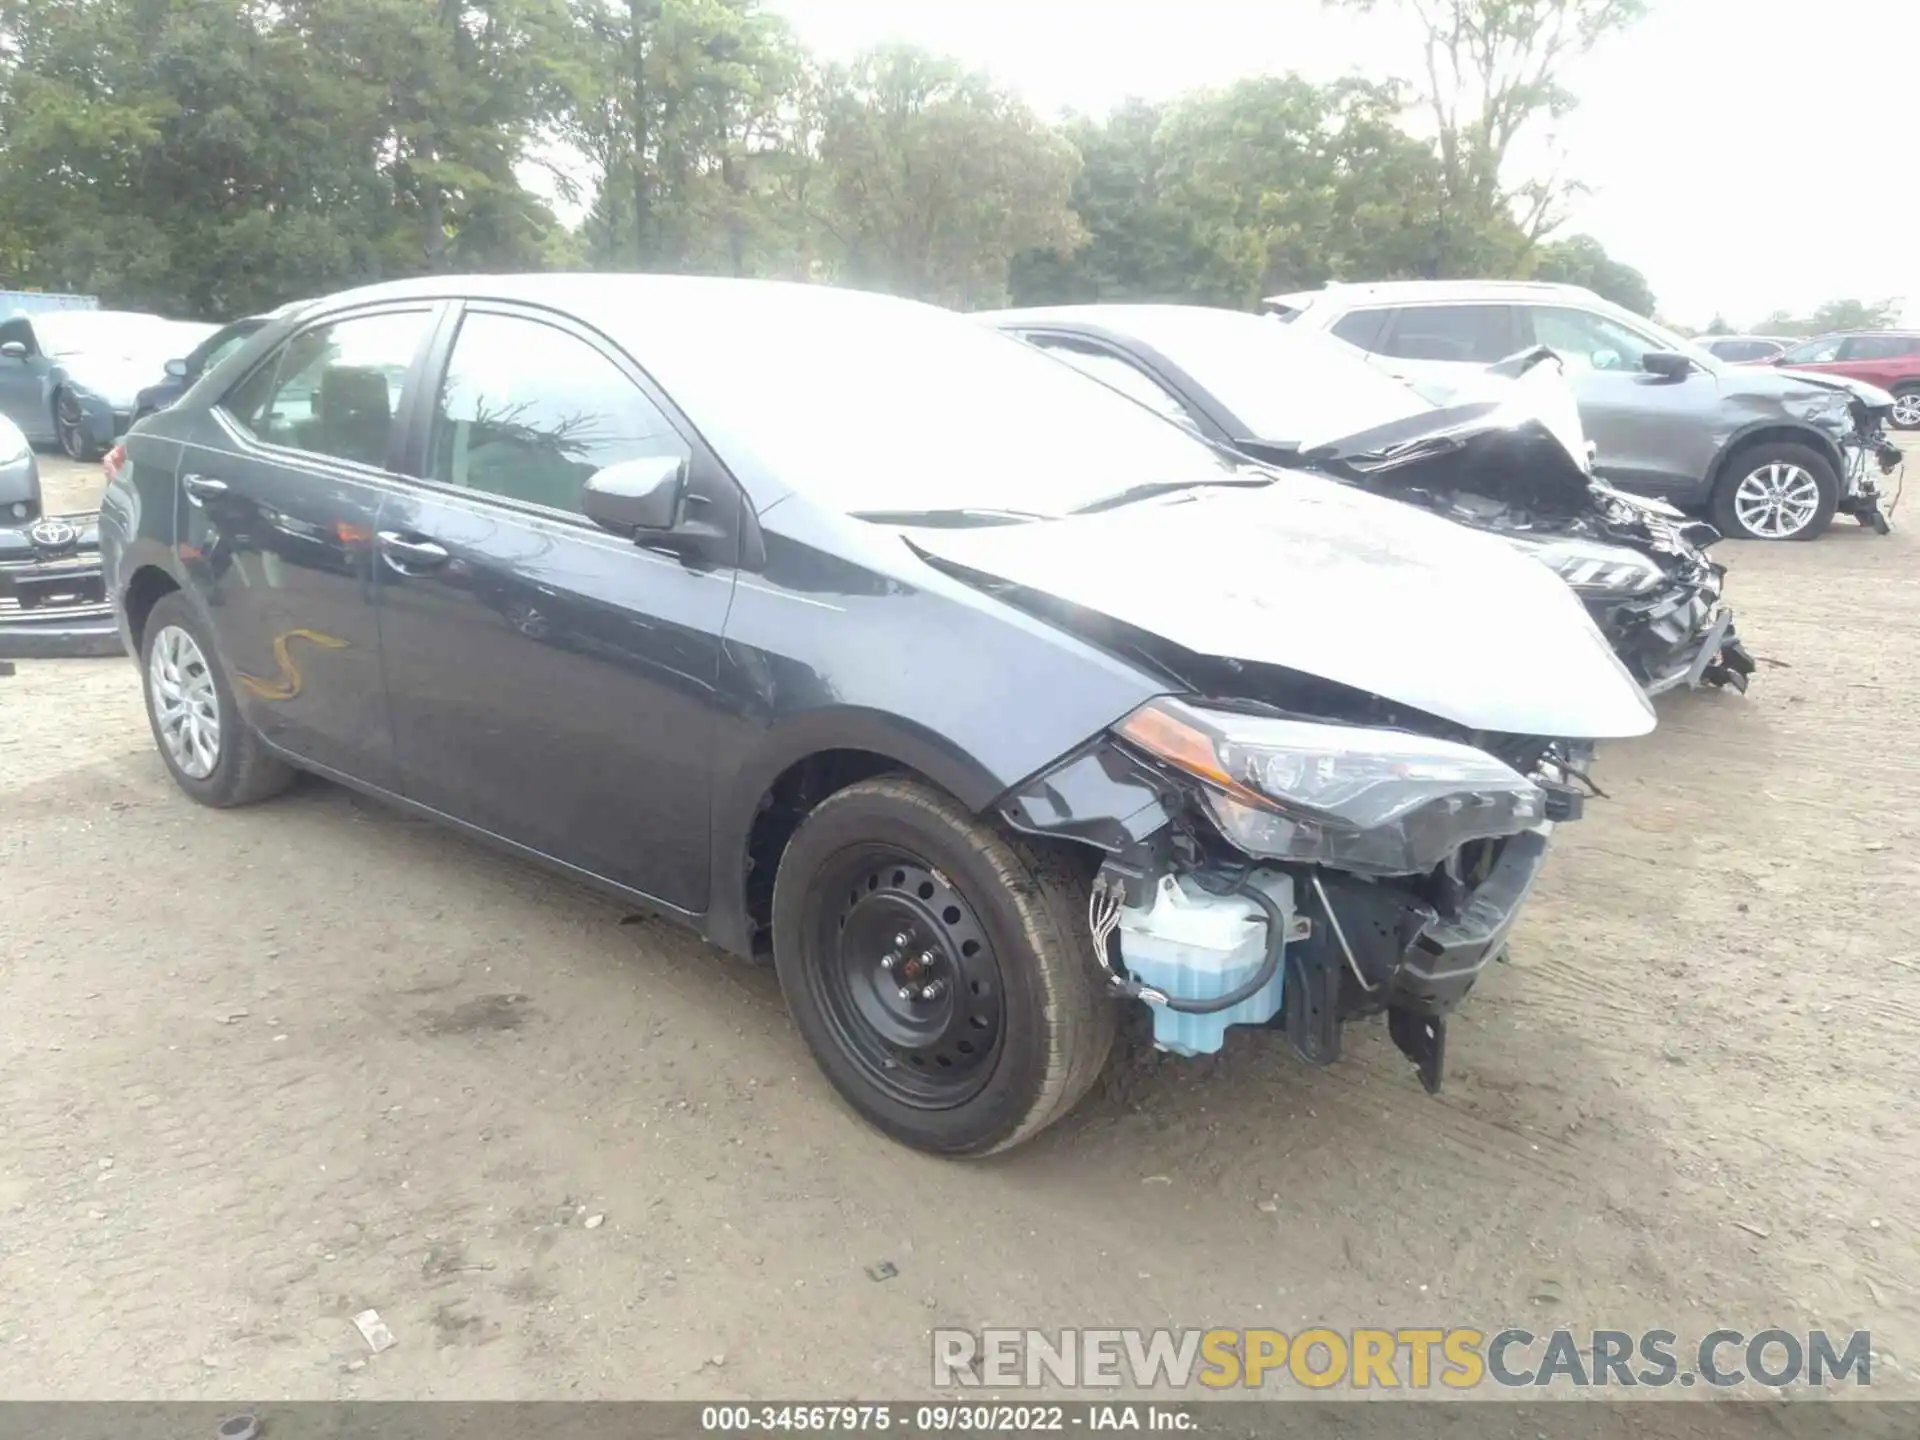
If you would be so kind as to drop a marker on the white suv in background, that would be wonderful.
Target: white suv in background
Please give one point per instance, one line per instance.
(1772, 455)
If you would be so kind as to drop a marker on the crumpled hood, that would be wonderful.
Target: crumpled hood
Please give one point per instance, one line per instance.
(1317, 577)
(1863, 390)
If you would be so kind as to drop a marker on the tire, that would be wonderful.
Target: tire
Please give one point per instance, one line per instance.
(892, 855)
(242, 770)
(1907, 398)
(74, 441)
(1784, 467)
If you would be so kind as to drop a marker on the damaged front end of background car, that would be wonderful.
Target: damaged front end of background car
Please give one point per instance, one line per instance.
(1868, 452)
(1511, 459)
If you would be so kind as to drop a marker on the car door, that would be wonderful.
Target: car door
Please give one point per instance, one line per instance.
(22, 389)
(551, 683)
(1652, 433)
(278, 502)
(1442, 346)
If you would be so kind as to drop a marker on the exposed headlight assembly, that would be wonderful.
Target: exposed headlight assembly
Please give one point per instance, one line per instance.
(1376, 802)
(1590, 567)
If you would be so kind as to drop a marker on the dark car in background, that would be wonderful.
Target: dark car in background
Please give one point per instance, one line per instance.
(1889, 359)
(180, 372)
(70, 377)
(846, 629)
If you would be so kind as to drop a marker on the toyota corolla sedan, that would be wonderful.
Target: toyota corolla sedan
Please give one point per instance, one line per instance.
(71, 376)
(857, 635)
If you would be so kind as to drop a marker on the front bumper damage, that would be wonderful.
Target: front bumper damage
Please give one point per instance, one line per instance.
(1352, 947)
(1869, 457)
(1682, 636)
(52, 591)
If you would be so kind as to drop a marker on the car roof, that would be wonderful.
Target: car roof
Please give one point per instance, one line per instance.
(604, 294)
(1415, 291)
(1116, 314)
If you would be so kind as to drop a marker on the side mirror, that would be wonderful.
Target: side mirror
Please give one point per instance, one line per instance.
(1669, 364)
(177, 369)
(13, 350)
(637, 495)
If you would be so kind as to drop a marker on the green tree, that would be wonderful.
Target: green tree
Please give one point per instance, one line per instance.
(1831, 316)
(1583, 260)
(1492, 73)
(926, 179)
(686, 123)
(212, 157)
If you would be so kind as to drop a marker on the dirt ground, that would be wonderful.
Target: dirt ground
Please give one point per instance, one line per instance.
(262, 1070)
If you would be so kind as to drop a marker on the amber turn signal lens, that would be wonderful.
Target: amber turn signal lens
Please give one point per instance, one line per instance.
(1161, 731)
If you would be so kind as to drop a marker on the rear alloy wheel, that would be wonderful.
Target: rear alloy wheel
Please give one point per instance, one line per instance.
(1776, 492)
(70, 428)
(1906, 410)
(939, 970)
(213, 754)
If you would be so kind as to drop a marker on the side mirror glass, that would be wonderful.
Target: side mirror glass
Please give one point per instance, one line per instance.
(1670, 364)
(177, 369)
(14, 350)
(637, 495)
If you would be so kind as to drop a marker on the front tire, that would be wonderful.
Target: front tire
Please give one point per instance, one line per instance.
(70, 428)
(208, 747)
(1776, 491)
(939, 970)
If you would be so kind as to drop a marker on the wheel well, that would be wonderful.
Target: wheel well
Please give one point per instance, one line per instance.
(149, 584)
(1771, 435)
(788, 801)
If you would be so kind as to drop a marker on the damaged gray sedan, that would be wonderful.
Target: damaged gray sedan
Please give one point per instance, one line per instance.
(1506, 453)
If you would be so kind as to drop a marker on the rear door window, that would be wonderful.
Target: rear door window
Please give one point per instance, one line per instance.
(335, 389)
(1465, 334)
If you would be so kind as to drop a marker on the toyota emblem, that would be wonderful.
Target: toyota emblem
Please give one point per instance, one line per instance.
(53, 534)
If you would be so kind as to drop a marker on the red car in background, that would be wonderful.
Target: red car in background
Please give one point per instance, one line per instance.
(1887, 358)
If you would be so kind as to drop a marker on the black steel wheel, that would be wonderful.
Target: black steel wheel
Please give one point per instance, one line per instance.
(939, 968)
(909, 981)
(70, 428)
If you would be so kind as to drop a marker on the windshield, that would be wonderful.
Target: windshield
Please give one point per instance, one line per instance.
(117, 335)
(1283, 383)
(865, 403)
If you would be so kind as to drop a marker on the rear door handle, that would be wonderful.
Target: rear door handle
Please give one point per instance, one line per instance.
(408, 555)
(200, 487)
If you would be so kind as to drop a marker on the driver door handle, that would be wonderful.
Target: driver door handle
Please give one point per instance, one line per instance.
(200, 487)
(411, 555)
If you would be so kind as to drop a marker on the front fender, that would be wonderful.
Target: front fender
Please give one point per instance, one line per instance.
(847, 642)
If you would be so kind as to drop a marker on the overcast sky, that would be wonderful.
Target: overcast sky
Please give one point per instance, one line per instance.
(1741, 152)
